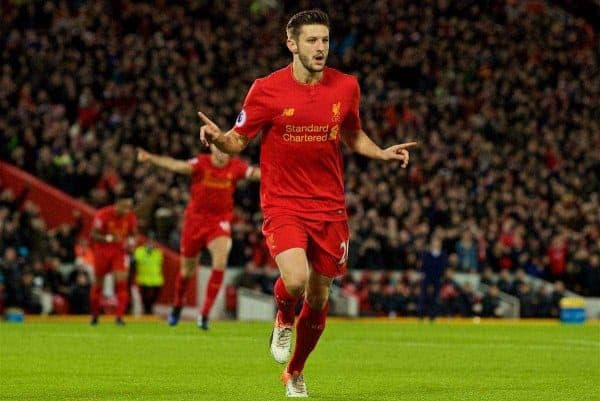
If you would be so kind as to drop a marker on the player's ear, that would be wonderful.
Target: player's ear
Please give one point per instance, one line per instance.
(292, 45)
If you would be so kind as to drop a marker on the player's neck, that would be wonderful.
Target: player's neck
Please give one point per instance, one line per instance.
(216, 162)
(304, 76)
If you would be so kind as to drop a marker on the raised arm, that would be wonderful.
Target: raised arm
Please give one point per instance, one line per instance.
(177, 166)
(229, 142)
(360, 142)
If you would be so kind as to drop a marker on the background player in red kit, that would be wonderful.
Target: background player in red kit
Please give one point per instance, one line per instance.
(303, 111)
(113, 226)
(206, 222)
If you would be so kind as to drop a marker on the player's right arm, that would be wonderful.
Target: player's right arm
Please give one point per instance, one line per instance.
(177, 166)
(257, 111)
(229, 142)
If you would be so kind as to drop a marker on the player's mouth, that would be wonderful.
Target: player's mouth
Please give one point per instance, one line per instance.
(320, 59)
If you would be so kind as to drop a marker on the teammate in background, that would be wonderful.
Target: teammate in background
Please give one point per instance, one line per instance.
(113, 231)
(206, 222)
(304, 111)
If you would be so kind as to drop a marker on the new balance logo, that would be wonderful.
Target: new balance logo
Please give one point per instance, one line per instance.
(289, 112)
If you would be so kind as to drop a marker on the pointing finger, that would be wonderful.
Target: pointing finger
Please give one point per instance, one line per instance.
(407, 145)
(207, 120)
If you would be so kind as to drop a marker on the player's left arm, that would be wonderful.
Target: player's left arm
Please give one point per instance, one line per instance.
(360, 143)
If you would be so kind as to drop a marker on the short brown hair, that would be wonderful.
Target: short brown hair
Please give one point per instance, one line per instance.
(307, 17)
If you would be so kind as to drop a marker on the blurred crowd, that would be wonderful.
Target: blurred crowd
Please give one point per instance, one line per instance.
(389, 293)
(41, 270)
(503, 97)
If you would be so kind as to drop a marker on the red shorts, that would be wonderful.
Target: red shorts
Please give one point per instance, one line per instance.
(197, 232)
(325, 242)
(109, 259)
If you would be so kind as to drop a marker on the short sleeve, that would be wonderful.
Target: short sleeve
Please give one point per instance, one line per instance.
(351, 121)
(195, 164)
(255, 112)
(240, 168)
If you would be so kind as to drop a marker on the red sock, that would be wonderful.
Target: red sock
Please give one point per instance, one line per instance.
(181, 284)
(311, 324)
(212, 289)
(95, 296)
(122, 297)
(286, 303)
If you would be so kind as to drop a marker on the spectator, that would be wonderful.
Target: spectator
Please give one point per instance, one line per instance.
(433, 266)
(557, 294)
(149, 264)
(462, 88)
(491, 303)
(591, 277)
(79, 290)
(467, 253)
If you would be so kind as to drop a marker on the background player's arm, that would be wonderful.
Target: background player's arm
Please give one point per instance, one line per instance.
(177, 166)
(99, 236)
(360, 142)
(230, 142)
(253, 173)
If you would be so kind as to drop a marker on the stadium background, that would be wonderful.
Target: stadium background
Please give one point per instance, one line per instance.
(502, 96)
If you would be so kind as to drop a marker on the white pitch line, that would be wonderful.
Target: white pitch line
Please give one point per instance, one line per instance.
(577, 345)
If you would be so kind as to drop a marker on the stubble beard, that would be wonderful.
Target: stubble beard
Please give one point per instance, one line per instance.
(305, 60)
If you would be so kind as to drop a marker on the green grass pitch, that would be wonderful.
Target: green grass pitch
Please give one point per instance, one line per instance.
(355, 360)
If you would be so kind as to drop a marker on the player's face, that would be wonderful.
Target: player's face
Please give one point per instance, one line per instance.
(313, 47)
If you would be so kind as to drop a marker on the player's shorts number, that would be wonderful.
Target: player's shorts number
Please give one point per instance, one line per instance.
(344, 247)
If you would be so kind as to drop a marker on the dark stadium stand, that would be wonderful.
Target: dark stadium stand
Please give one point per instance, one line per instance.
(503, 96)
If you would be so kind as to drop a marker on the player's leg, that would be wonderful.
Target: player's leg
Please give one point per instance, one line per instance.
(191, 245)
(219, 248)
(96, 297)
(121, 274)
(101, 268)
(287, 240)
(423, 300)
(184, 275)
(309, 328)
(327, 253)
(289, 288)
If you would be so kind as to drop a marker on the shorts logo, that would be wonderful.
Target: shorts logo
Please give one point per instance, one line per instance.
(288, 112)
(241, 119)
(271, 241)
(225, 226)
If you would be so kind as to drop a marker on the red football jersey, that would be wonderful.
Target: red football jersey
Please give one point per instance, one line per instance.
(107, 221)
(301, 162)
(212, 187)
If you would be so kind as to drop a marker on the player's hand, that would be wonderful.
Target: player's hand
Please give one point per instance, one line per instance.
(142, 155)
(209, 131)
(399, 152)
(111, 238)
